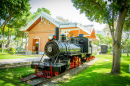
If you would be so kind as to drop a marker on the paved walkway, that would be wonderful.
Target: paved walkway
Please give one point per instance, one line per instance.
(8, 63)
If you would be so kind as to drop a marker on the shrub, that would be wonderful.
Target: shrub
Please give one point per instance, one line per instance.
(13, 50)
(95, 53)
(10, 49)
(109, 51)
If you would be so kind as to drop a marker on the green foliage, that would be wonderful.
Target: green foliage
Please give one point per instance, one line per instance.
(5, 50)
(127, 22)
(109, 51)
(126, 45)
(11, 31)
(14, 14)
(96, 10)
(95, 53)
(98, 74)
(101, 37)
(96, 43)
(9, 55)
(39, 10)
(13, 8)
(13, 50)
(103, 40)
(62, 19)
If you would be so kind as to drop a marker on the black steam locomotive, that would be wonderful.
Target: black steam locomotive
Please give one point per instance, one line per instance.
(63, 54)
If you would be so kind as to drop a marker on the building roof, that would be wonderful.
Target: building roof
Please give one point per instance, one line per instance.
(80, 31)
(93, 36)
(57, 23)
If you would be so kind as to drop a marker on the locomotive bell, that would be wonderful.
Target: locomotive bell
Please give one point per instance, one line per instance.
(63, 38)
(72, 40)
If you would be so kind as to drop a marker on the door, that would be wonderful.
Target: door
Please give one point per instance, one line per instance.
(35, 47)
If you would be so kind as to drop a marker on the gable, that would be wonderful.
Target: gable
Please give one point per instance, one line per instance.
(41, 26)
(59, 24)
(93, 35)
(77, 32)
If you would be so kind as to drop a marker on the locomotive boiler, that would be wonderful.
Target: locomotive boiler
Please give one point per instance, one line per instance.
(63, 54)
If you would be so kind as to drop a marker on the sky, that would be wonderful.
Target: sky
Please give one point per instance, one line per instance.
(65, 9)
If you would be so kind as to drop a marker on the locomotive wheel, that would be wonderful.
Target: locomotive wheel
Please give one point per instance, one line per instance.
(56, 73)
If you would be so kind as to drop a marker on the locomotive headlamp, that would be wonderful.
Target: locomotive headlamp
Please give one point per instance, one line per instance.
(51, 36)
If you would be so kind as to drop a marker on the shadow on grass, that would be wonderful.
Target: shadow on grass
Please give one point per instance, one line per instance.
(99, 75)
(10, 77)
(90, 77)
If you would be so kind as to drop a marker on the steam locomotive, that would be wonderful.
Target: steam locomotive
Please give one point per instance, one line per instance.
(63, 54)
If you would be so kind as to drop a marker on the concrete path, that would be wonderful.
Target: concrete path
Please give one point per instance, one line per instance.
(9, 63)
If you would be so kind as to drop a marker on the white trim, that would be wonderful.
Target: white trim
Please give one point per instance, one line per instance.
(42, 19)
(86, 35)
(48, 17)
(67, 30)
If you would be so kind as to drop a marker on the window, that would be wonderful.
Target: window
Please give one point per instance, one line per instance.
(39, 24)
(49, 23)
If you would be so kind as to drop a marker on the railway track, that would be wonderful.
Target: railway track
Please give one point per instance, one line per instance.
(33, 80)
(36, 81)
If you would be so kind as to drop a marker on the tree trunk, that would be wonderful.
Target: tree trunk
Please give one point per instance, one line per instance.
(127, 52)
(3, 32)
(22, 43)
(11, 33)
(26, 44)
(117, 40)
(8, 40)
(116, 59)
(17, 46)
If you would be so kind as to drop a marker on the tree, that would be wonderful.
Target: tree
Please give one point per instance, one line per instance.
(62, 19)
(126, 41)
(109, 12)
(10, 9)
(39, 10)
(102, 40)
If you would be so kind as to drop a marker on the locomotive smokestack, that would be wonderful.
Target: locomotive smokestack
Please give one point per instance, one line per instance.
(57, 33)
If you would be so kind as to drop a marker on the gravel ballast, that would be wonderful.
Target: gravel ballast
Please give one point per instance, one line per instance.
(65, 76)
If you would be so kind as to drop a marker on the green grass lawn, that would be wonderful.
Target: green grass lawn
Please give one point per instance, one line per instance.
(6, 55)
(10, 77)
(99, 74)
(95, 75)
